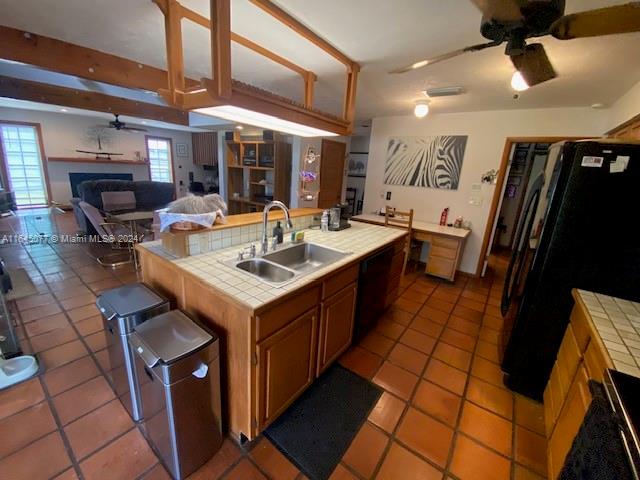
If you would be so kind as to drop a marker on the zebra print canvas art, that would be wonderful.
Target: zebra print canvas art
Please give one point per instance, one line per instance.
(433, 162)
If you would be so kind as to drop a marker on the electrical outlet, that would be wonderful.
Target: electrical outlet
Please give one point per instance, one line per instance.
(388, 195)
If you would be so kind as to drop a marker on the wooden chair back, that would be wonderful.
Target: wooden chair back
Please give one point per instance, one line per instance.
(396, 218)
(404, 220)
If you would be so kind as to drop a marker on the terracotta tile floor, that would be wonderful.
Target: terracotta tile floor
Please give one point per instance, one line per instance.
(444, 412)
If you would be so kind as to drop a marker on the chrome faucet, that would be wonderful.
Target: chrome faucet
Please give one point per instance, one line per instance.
(264, 244)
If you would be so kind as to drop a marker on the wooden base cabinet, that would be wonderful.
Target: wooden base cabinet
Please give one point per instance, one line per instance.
(582, 356)
(336, 326)
(286, 365)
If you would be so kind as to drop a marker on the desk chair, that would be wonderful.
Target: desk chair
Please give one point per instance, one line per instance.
(397, 219)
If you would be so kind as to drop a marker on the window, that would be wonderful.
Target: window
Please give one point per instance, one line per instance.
(23, 164)
(160, 163)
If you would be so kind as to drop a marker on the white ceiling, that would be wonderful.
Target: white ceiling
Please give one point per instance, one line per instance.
(379, 34)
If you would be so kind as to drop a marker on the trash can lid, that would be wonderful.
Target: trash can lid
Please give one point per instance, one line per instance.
(129, 299)
(171, 336)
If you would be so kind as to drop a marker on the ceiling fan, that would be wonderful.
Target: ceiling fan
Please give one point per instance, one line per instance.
(514, 21)
(121, 126)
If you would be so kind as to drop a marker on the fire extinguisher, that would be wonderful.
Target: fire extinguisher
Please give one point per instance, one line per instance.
(443, 216)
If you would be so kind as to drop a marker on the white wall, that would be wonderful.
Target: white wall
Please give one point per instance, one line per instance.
(63, 133)
(625, 108)
(487, 132)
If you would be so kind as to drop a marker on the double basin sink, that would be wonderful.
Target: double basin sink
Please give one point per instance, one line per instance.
(289, 263)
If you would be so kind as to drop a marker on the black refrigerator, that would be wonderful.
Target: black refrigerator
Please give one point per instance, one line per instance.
(586, 210)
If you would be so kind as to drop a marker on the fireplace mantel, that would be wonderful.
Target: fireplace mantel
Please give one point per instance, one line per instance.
(97, 160)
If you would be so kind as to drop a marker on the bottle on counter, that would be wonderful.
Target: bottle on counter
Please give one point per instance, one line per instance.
(277, 232)
(324, 221)
(443, 216)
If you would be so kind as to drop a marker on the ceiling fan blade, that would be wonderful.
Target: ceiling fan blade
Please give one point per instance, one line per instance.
(500, 10)
(134, 129)
(445, 56)
(534, 65)
(602, 21)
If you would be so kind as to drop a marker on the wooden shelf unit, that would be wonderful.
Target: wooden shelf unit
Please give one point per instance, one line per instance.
(257, 170)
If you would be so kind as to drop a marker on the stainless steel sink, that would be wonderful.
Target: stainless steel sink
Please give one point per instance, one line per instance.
(265, 270)
(289, 263)
(305, 257)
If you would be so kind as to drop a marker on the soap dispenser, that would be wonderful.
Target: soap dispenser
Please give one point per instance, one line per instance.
(277, 232)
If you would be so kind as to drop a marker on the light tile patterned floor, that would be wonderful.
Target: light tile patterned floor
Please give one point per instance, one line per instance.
(444, 412)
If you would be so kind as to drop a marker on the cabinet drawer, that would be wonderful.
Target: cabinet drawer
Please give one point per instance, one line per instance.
(277, 317)
(569, 357)
(337, 282)
(595, 361)
(437, 251)
(440, 267)
(446, 242)
(580, 326)
(423, 237)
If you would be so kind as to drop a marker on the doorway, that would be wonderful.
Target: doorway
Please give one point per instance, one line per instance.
(501, 190)
(332, 158)
(23, 170)
(526, 163)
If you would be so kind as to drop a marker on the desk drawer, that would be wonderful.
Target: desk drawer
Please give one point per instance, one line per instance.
(423, 237)
(437, 251)
(446, 242)
(440, 267)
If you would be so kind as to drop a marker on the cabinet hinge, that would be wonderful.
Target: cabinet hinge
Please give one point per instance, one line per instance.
(254, 421)
(254, 360)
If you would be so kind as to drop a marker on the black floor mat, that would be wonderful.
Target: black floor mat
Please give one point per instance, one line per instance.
(315, 432)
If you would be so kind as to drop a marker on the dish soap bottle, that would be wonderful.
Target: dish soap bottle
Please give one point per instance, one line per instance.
(277, 232)
(324, 221)
(443, 216)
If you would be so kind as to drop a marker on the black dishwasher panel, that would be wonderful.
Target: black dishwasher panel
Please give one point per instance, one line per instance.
(372, 290)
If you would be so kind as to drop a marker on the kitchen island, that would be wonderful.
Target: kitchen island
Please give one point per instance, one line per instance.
(603, 333)
(275, 339)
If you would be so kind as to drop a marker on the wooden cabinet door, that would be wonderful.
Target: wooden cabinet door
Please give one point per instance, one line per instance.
(286, 366)
(569, 421)
(331, 173)
(336, 326)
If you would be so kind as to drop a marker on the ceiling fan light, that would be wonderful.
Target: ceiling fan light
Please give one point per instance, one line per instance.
(420, 64)
(421, 109)
(518, 83)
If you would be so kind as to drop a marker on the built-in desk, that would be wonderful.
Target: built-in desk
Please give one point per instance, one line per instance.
(446, 244)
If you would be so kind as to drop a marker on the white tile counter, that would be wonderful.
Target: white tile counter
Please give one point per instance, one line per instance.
(361, 239)
(618, 324)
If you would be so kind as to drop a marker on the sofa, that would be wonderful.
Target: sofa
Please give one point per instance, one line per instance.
(149, 196)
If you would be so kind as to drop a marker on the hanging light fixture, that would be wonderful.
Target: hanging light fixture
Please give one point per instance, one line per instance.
(421, 109)
(518, 83)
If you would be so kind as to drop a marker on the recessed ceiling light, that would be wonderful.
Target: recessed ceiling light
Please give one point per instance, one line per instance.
(64, 110)
(421, 109)
(239, 127)
(597, 105)
(518, 83)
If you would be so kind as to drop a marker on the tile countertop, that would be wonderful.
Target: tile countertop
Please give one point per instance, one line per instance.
(618, 324)
(361, 239)
(417, 225)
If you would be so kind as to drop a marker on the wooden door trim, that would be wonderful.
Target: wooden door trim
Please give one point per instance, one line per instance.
(43, 156)
(173, 164)
(322, 143)
(502, 170)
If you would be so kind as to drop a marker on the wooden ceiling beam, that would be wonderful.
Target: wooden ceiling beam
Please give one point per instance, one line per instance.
(294, 24)
(220, 25)
(70, 59)
(98, 102)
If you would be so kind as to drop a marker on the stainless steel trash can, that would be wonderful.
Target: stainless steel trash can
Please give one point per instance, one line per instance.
(122, 309)
(179, 371)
